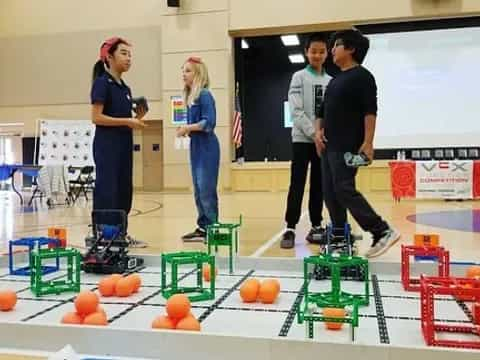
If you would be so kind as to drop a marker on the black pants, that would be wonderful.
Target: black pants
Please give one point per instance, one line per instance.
(302, 155)
(341, 194)
(113, 157)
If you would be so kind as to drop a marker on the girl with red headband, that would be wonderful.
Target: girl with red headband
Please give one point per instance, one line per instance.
(111, 102)
(204, 146)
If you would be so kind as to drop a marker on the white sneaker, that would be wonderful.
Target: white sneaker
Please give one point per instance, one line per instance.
(388, 239)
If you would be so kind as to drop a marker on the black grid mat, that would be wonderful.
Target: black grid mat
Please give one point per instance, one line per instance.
(289, 315)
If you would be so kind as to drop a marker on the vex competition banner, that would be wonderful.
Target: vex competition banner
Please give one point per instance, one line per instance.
(444, 179)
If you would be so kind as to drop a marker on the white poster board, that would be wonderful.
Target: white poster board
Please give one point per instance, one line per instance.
(66, 142)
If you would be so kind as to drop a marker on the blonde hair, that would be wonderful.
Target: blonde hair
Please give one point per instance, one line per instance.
(200, 81)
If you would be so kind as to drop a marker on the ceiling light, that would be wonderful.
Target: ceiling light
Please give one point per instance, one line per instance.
(290, 40)
(296, 58)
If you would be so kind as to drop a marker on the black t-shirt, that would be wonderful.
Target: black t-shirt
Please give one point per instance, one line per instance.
(349, 97)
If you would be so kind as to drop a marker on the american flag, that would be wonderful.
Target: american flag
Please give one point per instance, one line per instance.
(237, 122)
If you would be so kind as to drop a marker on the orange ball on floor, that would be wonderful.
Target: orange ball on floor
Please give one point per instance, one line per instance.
(206, 272)
(268, 292)
(72, 318)
(96, 318)
(8, 300)
(178, 306)
(100, 310)
(116, 277)
(249, 290)
(163, 322)
(136, 281)
(189, 323)
(86, 303)
(334, 313)
(276, 283)
(124, 287)
(106, 286)
(473, 272)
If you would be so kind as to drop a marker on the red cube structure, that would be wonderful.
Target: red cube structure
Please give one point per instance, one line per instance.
(431, 286)
(443, 258)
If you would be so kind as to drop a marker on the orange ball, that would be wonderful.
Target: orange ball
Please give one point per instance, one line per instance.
(124, 287)
(96, 318)
(268, 292)
(136, 280)
(464, 297)
(106, 286)
(276, 283)
(86, 303)
(163, 322)
(178, 306)
(72, 318)
(334, 313)
(101, 310)
(473, 272)
(206, 272)
(272, 282)
(249, 290)
(189, 323)
(8, 300)
(116, 277)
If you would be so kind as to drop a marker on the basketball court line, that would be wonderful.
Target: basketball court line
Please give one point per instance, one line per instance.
(261, 250)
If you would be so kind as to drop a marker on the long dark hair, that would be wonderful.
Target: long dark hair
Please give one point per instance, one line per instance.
(99, 67)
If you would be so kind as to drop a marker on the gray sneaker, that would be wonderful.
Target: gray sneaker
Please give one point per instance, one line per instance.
(388, 238)
(288, 240)
(135, 244)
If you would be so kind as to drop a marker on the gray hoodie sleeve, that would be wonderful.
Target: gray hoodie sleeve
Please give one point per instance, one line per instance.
(295, 101)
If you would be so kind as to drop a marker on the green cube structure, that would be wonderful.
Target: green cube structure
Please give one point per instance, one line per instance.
(221, 234)
(194, 293)
(40, 287)
(335, 298)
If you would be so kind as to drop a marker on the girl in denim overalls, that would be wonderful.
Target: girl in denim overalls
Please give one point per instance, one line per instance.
(204, 146)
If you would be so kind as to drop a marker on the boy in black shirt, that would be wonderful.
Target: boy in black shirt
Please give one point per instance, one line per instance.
(346, 123)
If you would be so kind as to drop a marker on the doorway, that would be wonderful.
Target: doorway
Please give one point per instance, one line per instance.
(153, 156)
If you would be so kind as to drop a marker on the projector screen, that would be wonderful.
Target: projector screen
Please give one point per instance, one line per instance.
(287, 117)
(427, 87)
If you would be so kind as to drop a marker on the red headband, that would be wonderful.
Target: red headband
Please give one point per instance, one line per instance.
(194, 59)
(107, 45)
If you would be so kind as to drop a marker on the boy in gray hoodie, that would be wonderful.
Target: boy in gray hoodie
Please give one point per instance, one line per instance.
(305, 97)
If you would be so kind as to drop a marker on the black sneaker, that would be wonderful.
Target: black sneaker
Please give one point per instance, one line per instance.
(199, 235)
(288, 240)
(316, 235)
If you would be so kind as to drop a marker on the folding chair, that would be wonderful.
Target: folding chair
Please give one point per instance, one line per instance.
(37, 193)
(82, 184)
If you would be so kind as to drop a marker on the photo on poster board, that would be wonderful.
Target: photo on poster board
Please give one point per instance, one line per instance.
(178, 110)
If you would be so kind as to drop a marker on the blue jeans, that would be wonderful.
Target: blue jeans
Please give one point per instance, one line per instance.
(205, 162)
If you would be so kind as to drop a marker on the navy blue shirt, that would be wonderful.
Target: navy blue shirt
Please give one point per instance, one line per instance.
(116, 99)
